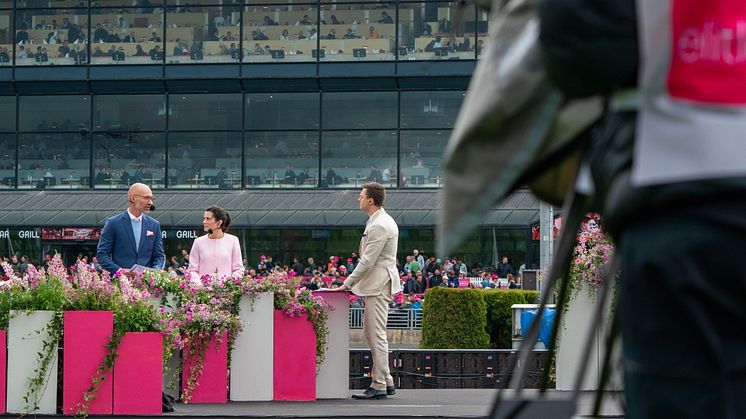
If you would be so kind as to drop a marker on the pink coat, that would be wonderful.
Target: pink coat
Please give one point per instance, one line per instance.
(217, 257)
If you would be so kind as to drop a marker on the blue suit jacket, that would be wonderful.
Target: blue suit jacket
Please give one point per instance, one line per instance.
(116, 247)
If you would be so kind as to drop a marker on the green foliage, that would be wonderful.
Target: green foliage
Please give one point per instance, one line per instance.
(454, 319)
(136, 316)
(499, 313)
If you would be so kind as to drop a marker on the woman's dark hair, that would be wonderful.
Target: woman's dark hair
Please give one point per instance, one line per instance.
(220, 215)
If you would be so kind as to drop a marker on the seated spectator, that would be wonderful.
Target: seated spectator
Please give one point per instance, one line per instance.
(332, 34)
(349, 35)
(385, 18)
(373, 33)
(375, 174)
(229, 36)
(312, 34)
(98, 53)
(268, 21)
(156, 53)
(302, 177)
(139, 52)
(258, 50)
(285, 35)
(335, 21)
(260, 36)
(332, 178)
(301, 35)
(434, 44)
(305, 21)
(154, 37)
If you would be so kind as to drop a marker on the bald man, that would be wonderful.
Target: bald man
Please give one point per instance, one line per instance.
(132, 237)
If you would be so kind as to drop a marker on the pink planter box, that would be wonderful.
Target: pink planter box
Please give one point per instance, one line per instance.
(86, 334)
(3, 369)
(137, 374)
(212, 385)
(295, 358)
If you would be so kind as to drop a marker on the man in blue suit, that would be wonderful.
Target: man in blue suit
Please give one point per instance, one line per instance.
(133, 237)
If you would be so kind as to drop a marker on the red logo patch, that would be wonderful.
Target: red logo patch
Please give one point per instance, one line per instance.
(708, 51)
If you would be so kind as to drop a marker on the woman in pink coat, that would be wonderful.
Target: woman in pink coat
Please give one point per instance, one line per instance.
(217, 253)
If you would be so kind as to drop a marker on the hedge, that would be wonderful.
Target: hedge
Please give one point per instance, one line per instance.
(454, 318)
(500, 314)
(470, 318)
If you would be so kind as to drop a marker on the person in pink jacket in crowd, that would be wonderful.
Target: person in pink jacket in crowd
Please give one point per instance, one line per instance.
(217, 253)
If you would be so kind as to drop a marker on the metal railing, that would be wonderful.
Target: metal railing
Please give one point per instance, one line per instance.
(400, 318)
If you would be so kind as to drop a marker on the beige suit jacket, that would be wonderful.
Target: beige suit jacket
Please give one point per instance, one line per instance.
(377, 267)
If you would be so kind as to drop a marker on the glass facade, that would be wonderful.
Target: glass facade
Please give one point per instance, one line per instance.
(226, 141)
(282, 244)
(117, 32)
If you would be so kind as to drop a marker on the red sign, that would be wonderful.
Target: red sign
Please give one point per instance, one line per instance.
(70, 233)
(51, 233)
(81, 234)
(708, 51)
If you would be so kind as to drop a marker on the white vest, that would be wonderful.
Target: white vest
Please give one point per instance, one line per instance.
(692, 120)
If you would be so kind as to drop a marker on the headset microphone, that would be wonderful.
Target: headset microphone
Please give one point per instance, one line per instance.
(152, 207)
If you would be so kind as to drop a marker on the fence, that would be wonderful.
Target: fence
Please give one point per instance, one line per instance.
(400, 318)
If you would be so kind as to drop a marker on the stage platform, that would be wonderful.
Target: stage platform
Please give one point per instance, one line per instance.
(415, 404)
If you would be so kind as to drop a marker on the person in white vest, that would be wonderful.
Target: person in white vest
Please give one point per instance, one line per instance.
(669, 169)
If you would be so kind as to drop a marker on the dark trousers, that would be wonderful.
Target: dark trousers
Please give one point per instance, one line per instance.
(683, 311)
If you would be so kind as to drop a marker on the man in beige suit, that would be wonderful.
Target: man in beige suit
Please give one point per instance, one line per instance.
(376, 278)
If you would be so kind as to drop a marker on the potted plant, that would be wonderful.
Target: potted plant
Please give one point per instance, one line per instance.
(31, 309)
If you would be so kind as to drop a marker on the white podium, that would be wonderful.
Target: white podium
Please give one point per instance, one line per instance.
(26, 335)
(333, 378)
(252, 358)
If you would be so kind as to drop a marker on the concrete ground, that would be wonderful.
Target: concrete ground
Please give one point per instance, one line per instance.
(442, 403)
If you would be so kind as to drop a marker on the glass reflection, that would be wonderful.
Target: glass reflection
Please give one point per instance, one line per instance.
(370, 110)
(437, 31)
(282, 111)
(8, 111)
(282, 159)
(125, 158)
(205, 112)
(430, 109)
(6, 37)
(279, 33)
(188, 27)
(54, 113)
(54, 160)
(129, 112)
(126, 36)
(358, 32)
(349, 159)
(204, 160)
(51, 37)
(7, 161)
(421, 158)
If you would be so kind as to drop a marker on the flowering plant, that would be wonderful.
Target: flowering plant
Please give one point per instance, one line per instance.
(206, 309)
(297, 301)
(591, 256)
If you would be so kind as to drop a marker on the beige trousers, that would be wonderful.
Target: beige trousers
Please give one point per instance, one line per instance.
(374, 327)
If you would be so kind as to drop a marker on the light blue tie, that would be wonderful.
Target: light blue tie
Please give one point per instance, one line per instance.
(137, 230)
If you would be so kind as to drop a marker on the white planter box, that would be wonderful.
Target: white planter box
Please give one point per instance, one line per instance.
(252, 358)
(333, 379)
(26, 334)
(573, 332)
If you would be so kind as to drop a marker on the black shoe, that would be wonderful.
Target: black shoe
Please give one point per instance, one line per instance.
(370, 394)
(390, 390)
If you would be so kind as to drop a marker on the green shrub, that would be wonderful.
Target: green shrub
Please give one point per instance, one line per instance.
(499, 313)
(454, 319)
